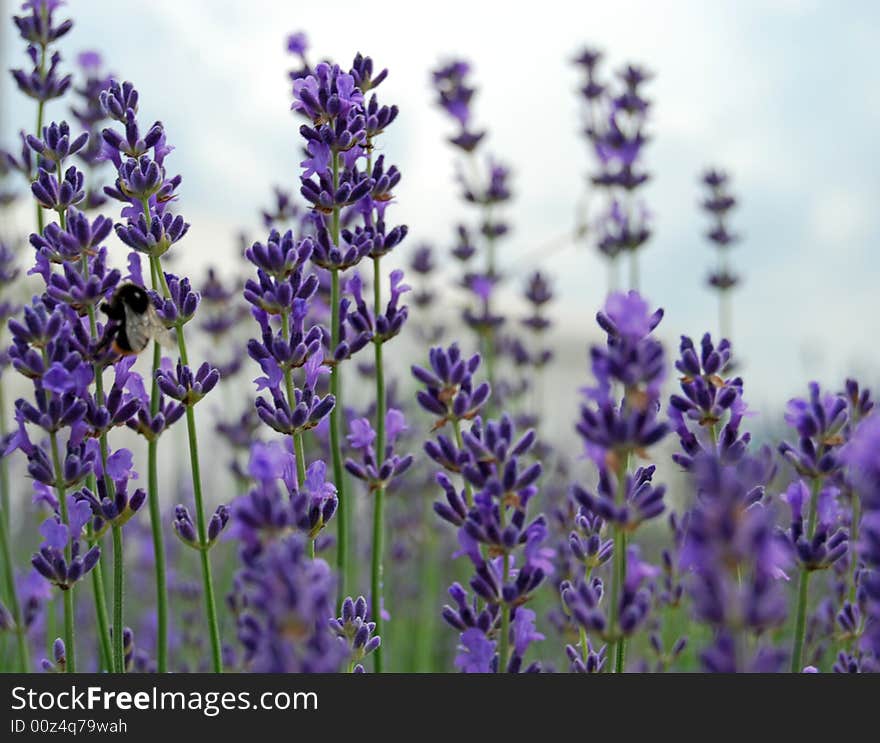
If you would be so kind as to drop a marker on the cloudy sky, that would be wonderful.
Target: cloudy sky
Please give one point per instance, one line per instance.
(785, 94)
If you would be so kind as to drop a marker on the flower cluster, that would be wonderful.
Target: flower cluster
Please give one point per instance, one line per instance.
(736, 559)
(495, 532)
(39, 28)
(615, 124)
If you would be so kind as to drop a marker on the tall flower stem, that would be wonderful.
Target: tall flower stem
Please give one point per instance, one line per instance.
(634, 276)
(156, 524)
(379, 493)
(504, 640)
(724, 320)
(297, 439)
(118, 602)
(345, 511)
(854, 540)
(613, 274)
(800, 626)
(491, 270)
(459, 442)
(617, 649)
(69, 633)
(97, 577)
(6, 550)
(39, 133)
(101, 616)
(201, 526)
(343, 554)
(153, 493)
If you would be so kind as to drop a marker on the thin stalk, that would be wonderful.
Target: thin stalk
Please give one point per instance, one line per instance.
(6, 550)
(620, 659)
(153, 492)
(613, 275)
(344, 519)
(296, 439)
(800, 626)
(379, 494)
(617, 652)
(854, 540)
(504, 640)
(101, 617)
(585, 653)
(97, 579)
(39, 133)
(69, 633)
(345, 511)
(634, 270)
(459, 442)
(118, 602)
(724, 313)
(201, 526)
(207, 581)
(158, 537)
(489, 338)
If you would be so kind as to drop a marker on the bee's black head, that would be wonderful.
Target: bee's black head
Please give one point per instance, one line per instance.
(134, 297)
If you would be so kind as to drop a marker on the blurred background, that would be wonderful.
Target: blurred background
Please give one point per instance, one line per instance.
(781, 93)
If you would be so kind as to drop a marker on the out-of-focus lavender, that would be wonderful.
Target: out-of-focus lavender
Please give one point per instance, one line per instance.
(375, 480)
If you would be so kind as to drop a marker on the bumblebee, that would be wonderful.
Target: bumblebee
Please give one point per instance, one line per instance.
(135, 321)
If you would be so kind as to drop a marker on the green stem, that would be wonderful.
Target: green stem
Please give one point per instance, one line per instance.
(854, 540)
(489, 337)
(300, 451)
(201, 526)
(297, 441)
(24, 662)
(39, 133)
(617, 648)
(620, 659)
(585, 653)
(379, 493)
(153, 489)
(504, 639)
(634, 270)
(208, 583)
(613, 275)
(345, 512)
(459, 442)
(101, 616)
(156, 512)
(97, 578)
(800, 626)
(69, 637)
(118, 602)
(724, 314)
(344, 518)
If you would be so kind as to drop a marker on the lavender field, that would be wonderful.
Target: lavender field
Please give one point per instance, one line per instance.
(307, 370)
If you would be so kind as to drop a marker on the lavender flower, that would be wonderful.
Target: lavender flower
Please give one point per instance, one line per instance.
(737, 560)
(355, 632)
(282, 602)
(450, 393)
(717, 204)
(615, 126)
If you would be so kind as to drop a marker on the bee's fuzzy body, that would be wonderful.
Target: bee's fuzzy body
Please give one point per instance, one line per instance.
(135, 319)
